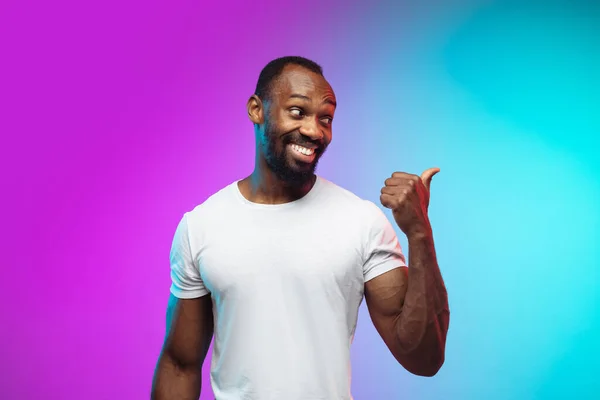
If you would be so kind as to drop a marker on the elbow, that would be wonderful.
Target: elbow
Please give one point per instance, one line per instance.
(424, 357)
(429, 369)
(423, 364)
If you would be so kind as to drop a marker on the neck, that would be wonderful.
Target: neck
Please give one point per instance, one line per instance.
(264, 187)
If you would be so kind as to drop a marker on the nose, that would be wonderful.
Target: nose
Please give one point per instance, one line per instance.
(311, 129)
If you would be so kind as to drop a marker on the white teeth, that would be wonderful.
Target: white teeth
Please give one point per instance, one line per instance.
(303, 150)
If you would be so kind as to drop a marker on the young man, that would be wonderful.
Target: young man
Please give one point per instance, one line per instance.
(276, 264)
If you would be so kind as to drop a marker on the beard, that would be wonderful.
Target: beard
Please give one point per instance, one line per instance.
(280, 161)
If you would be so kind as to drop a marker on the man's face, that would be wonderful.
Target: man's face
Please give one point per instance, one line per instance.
(298, 121)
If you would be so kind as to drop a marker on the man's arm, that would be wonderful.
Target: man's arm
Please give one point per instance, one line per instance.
(178, 374)
(409, 309)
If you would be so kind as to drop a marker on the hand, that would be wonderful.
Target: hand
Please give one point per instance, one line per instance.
(407, 196)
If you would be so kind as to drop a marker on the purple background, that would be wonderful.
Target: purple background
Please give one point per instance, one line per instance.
(117, 117)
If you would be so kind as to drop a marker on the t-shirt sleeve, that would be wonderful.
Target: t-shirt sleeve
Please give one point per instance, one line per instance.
(186, 282)
(382, 249)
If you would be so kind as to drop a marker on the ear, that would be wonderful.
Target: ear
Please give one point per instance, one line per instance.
(256, 110)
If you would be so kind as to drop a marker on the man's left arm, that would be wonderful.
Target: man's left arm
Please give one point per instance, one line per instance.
(409, 307)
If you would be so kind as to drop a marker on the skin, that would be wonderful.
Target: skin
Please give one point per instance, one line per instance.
(178, 372)
(300, 110)
(408, 307)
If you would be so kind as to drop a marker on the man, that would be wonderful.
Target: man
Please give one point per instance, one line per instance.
(276, 265)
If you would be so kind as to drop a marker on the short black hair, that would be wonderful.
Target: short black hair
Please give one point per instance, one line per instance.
(274, 68)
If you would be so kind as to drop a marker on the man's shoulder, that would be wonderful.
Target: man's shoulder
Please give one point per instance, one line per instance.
(345, 197)
(367, 212)
(214, 204)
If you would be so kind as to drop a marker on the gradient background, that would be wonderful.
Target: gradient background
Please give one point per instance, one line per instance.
(116, 118)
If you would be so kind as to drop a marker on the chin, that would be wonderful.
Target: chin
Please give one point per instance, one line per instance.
(301, 169)
(289, 170)
(296, 175)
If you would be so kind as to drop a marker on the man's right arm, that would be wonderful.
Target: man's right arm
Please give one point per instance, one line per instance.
(178, 374)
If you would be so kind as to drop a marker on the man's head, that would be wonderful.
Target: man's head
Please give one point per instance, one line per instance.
(292, 111)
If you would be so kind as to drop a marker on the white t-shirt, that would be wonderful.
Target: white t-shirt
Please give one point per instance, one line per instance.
(286, 283)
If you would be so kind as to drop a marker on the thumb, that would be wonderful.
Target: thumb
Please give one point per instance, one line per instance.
(427, 175)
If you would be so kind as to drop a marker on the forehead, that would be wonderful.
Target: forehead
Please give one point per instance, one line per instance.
(299, 80)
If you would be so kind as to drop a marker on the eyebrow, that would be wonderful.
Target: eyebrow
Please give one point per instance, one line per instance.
(303, 97)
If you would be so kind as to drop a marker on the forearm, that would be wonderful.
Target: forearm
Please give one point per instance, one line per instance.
(175, 382)
(422, 325)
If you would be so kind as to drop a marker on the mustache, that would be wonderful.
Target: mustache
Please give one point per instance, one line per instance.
(301, 140)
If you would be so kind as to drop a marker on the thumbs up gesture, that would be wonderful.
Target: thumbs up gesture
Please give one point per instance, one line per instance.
(407, 195)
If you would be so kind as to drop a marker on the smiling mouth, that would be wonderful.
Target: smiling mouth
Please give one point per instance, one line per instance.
(303, 150)
(302, 154)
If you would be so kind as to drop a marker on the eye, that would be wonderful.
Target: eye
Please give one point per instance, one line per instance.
(296, 112)
(327, 120)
